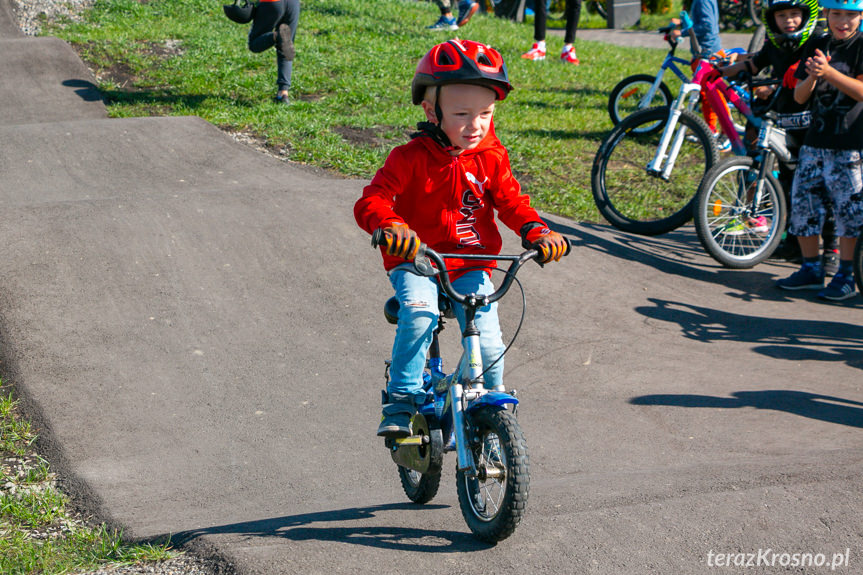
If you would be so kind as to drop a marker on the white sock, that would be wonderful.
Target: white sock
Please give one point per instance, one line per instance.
(541, 45)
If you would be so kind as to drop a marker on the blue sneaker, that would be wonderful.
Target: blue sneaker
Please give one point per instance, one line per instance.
(809, 276)
(444, 24)
(466, 10)
(840, 288)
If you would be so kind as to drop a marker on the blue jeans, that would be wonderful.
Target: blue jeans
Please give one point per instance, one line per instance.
(418, 315)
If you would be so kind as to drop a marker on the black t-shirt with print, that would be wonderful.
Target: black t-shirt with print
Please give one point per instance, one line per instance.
(837, 119)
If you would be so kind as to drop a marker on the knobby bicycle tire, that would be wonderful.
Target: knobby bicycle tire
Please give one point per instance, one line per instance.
(728, 226)
(419, 487)
(757, 40)
(492, 507)
(636, 201)
(626, 96)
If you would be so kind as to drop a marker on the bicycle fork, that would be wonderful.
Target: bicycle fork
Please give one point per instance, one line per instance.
(663, 163)
(471, 370)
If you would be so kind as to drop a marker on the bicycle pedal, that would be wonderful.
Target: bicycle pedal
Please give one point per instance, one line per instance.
(412, 440)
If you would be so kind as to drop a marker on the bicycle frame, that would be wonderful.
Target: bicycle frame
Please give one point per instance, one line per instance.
(669, 63)
(714, 90)
(452, 396)
(662, 163)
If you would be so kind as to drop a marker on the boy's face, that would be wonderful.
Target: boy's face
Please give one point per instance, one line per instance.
(843, 23)
(789, 20)
(467, 113)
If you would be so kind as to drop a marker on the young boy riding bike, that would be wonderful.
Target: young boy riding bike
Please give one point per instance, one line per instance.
(443, 188)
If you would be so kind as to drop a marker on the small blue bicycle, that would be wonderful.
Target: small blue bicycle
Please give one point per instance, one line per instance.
(461, 415)
(642, 91)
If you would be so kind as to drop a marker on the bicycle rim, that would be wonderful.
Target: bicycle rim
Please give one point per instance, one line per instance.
(636, 201)
(627, 96)
(734, 230)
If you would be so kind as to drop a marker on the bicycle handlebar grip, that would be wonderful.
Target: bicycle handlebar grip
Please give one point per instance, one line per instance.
(378, 238)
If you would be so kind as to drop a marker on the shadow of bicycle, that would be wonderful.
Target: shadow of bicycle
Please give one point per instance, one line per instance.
(321, 526)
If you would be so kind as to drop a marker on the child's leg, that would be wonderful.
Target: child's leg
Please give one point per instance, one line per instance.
(844, 180)
(445, 7)
(418, 315)
(843, 175)
(267, 16)
(478, 282)
(807, 217)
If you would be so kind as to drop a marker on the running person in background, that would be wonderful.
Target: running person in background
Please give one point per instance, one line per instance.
(275, 24)
(831, 159)
(572, 13)
(466, 10)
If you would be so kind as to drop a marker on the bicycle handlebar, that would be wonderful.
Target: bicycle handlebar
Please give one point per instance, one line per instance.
(424, 267)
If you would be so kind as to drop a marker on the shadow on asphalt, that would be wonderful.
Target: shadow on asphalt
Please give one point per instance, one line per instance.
(87, 91)
(299, 528)
(811, 405)
(679, 253)
(790, 339)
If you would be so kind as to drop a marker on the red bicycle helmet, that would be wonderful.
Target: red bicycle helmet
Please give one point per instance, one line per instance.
(461, 62)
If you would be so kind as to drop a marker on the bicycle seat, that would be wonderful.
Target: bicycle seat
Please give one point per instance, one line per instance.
(391, 308)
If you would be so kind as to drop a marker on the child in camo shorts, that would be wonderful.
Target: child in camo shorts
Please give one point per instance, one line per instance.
(831, 167)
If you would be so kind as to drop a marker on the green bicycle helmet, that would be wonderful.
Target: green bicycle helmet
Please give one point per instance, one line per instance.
(796, 39)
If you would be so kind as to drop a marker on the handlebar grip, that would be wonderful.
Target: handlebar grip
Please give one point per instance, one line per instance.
(379, 238)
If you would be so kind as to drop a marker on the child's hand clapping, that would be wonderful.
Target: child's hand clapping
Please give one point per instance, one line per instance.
(818, 64)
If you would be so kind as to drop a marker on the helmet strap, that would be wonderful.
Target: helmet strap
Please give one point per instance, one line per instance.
(433, 129)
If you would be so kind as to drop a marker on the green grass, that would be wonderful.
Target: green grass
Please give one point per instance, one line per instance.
(38, 532)
(350, 99)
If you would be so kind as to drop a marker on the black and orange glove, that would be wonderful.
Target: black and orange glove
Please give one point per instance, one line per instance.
(403, 242)
(551, 245)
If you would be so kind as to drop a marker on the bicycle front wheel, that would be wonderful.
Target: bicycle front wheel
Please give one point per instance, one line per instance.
(737, 230)
(636, 200)
(493, 503)
(627, 96)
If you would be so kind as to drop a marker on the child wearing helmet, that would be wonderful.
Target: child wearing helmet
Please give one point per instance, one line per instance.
(831, 160)
(443, 188)
(789, 25)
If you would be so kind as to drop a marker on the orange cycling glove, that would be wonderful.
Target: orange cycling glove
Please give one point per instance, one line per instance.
(403, 241)
(551, 245)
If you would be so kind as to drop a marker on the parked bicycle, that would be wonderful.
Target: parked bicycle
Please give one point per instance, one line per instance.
(641, 91)
(644, 182)
(461, 415)
(740, 209)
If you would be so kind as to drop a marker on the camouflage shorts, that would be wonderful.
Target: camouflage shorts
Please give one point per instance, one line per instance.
(832, 177)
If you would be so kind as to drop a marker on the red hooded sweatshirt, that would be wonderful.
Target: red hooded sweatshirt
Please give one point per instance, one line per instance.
(449, 201)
